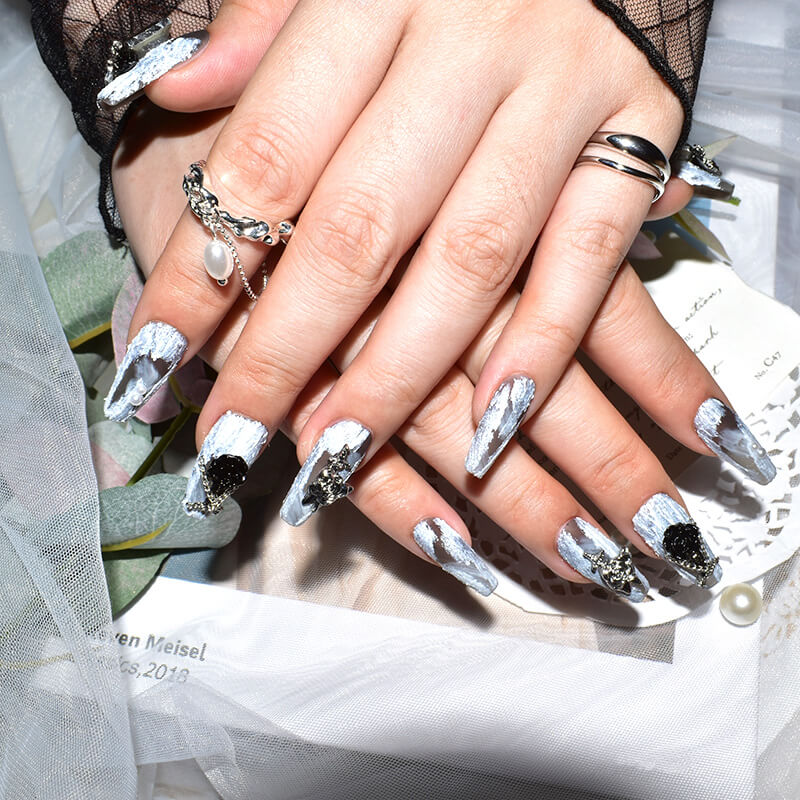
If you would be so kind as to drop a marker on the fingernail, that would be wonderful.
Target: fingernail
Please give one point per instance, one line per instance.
(726, 435)
(674, 536)
(499, 423)
(591, 553)
(152, 65)
(150, 359)
(322, 479)
(441, 542)
(229, 450)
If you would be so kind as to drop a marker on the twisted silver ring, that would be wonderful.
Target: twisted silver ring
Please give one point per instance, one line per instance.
(220, 257)
(649, 164)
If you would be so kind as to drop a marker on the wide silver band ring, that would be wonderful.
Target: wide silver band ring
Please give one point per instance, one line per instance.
(644, 161)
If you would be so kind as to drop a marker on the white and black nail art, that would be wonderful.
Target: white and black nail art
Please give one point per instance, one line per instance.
(152, 65)
(726, 435)
(591, 553)
(442, 543)
(322, 479)
(150, 359)
(499, 423)
(228, 452)
(674, 536)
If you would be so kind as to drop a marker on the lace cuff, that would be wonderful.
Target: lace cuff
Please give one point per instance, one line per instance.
(672, 34)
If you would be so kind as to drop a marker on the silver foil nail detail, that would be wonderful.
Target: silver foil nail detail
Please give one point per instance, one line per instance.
(233, 436)
(591, 553)
(726, 435)
(152, 65)
(499, 423)
(674, 536)
(441, 542)
(335, 457)
(150, 359)
(691, 163)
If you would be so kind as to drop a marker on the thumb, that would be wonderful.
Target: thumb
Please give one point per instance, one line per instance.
(677, 195)
(238, 38)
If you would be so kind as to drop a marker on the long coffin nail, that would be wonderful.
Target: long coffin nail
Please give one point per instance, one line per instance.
(152, 65)
(229, 450)
(726, 435)
(151, 358)
(499, 423)
(589, 551)
(674, 536)
(322, 479)
(442, 543)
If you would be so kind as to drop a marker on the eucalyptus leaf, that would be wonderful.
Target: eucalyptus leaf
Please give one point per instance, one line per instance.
(91, 366)
(692, 225)
(116, 452)
(84, 276)
(149, 515)
(129, 574)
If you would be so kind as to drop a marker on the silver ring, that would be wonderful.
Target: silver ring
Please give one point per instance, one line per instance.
(649, 164)
(220, 257)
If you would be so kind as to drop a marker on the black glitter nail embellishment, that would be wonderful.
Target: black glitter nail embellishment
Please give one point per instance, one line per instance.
(220, 478)
(684, 545)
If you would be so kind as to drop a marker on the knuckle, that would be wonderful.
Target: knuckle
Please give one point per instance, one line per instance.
(398, 384)
(433, 419)
(264, 367)
(597, 243)
(557, 331)
(613, 474)
(257, 164)
(522, 499)
(382, 490)
(481, 256)
(355, 237)
(667, 376)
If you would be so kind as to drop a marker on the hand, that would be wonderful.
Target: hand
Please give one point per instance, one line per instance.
(576, 427)
(394, 120)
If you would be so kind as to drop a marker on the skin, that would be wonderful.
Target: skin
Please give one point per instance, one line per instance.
(419, 118)
(576, 426)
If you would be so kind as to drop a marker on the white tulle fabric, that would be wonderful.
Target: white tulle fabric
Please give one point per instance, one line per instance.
(439, 714)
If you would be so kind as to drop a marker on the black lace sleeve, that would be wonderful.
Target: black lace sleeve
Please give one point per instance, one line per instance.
(75, 39)
(672, 34)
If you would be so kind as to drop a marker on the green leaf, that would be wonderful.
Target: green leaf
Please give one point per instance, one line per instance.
(129, 574)
(116, 452)
(692, 225)
(149, 515)
(84, 275)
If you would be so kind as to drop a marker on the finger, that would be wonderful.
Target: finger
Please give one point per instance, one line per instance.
(353, 230)
(637, 348)
(263, 165)
(467, 260)
(677, 195)
(238, 38)
(580, 248)
(581, 432)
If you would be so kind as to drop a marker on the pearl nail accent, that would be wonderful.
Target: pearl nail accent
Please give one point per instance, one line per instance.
(218, 260)
(740, 604)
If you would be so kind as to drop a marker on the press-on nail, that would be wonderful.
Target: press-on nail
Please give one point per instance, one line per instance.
(442, 543)
(726, 435)
(229, 450)
(591, 553)
(674, 536)
(150, 359)
(499, 423)
(323, 477)
(152, 65)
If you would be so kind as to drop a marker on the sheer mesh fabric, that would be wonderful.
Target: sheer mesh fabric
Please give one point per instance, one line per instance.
(672, 34)
(75, 38)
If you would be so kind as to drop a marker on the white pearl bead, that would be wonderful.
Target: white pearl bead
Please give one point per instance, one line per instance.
(218, 260)
(740, 604)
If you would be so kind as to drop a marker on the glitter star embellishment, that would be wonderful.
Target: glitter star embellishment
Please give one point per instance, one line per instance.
(616, 573)
(329, 486)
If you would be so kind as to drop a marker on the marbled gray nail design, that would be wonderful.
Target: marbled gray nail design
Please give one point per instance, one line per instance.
(499, 423)
(229, 450)
(674, 536)
(323, 477)
(150, 359)
(726, 435)
(153, 64)
(589, 551)
(442, 543)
